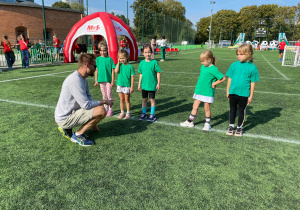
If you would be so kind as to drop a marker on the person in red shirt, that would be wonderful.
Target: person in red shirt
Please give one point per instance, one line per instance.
(298, 45)
(121, 44)
(23, 42)
(281, 49)
(56, 48)
(9, 54)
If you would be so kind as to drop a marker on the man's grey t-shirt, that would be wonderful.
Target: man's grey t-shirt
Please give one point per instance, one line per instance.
(74, 95)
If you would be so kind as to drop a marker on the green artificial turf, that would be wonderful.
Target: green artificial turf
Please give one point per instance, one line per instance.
(141, 165)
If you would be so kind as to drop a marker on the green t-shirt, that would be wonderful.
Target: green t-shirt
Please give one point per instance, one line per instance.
(125, 73)
(208, 75)
(104, 65)
(242, 75)
(149, 72)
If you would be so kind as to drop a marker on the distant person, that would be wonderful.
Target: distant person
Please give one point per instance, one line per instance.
(23, 42)
(9, 54)
(205, 89)
(105, 75)
(75, 106)
(297, 45)
(281, 46)
(56, 48)
(149, 82)
(43, 53)
(153, 46)
(125, 82)
(163, 46)
(242, 76)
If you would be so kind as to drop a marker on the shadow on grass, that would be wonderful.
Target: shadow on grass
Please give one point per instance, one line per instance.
(26, 71)
(119, 127)
(261, 117)
(252, 119)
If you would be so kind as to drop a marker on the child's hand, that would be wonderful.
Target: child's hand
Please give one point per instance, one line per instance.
(131, 90)
(139, 87)
(213, 86)
(112, 84)
(96, 84)
(249, 100)
(228, 95)
(157, 86)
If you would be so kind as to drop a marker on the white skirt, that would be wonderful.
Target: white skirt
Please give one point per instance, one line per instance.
(205, 99)
(125, 90)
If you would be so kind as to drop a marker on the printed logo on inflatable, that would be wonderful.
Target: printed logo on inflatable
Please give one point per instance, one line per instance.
(119, 29)
(93, 28)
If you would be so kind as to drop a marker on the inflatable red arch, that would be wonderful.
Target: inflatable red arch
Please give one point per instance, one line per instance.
(106, 25)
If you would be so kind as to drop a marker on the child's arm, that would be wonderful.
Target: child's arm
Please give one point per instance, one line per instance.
(140, 79)
(112, 77)
(214, 84)
(252, 87)
(117, 69)
(96, 77)
(228, 86)
(132, 83)
(158, 80)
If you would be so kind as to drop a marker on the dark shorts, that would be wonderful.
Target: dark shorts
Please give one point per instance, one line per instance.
(281, 51)
(151, 94)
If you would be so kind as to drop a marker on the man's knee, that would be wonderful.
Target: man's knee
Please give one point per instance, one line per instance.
(99, 112)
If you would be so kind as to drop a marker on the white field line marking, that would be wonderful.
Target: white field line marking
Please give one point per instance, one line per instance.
(44, 75)
(174, 124)
(275, 68)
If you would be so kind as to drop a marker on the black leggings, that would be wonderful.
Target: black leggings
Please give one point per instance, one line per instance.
(240, 103)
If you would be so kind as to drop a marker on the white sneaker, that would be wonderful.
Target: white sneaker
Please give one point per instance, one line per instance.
(187, 124)
(206, 127)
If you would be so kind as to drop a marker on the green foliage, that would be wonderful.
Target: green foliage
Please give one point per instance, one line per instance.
(77, 6)
(60, 4)
(227, 24)
(161, 18)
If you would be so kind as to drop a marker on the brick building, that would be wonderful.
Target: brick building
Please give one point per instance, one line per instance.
(27, 18)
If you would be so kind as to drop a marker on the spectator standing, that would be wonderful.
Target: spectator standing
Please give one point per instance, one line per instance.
(9, 54)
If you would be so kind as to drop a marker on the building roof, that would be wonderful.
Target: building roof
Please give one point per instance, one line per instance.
(32, 4)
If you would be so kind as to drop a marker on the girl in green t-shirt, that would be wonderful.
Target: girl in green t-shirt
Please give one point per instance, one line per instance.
(149, 82)
(209, 78)
(105, 75)
(125, 82)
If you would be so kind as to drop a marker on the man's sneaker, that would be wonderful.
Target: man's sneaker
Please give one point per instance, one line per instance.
(206, 127)
(143, 116)
(121, 115)
(239, 132)
(127, 117)
(187, 124)
(66, 132)
(230, 131)
(109, 113)
(152, 118)
(82, 140)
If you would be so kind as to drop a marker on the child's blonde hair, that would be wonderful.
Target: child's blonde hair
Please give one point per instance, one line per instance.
(103, 44)
(207, 54)
(247, 50)
(124, 52)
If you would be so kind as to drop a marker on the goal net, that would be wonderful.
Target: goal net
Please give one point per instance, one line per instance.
(291, 56)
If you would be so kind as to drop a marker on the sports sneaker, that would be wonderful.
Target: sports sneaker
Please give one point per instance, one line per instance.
(280, 59)
(128, 116)
(230, 131)
(82, 140)
(152, 118)
(187, 124)
(143, 116)
(109, 113)
(206, 127)
(67, 133)
(121, 115)
(239, 132)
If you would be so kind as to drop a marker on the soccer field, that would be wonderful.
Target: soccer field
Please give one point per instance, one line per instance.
(160, 165)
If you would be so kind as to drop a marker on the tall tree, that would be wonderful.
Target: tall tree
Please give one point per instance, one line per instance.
(60, 4)
(77, 6)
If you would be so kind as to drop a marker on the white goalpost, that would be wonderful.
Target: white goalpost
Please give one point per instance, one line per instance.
(291, 56)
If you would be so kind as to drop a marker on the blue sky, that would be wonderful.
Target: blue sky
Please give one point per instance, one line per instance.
(195, 9)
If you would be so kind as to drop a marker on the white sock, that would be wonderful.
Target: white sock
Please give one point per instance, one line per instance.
(232, 125)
